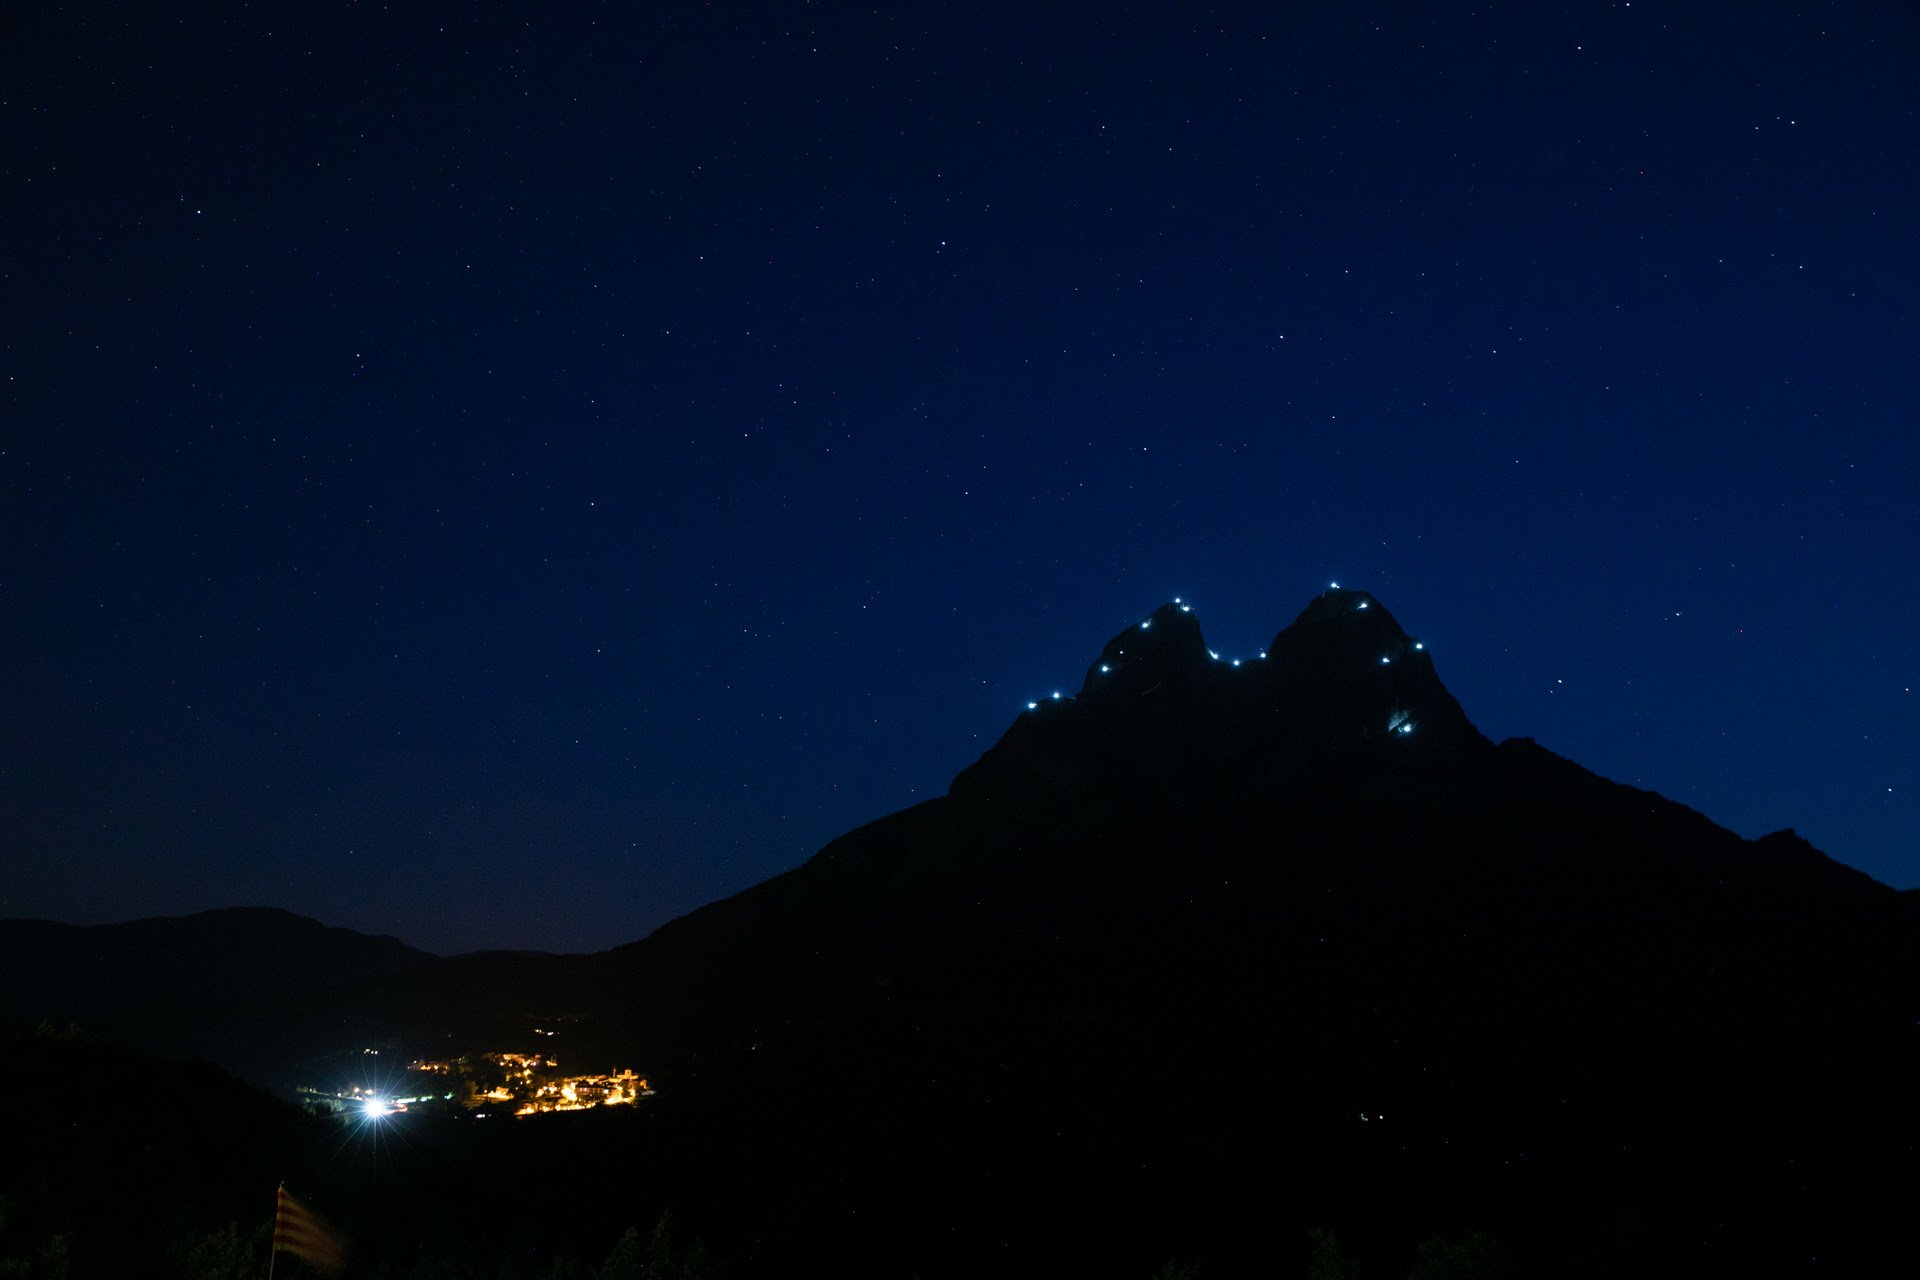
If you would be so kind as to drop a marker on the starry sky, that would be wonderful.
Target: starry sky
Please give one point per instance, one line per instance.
(505, 476)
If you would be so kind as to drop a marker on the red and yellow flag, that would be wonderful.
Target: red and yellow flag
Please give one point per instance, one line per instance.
(297, 1231)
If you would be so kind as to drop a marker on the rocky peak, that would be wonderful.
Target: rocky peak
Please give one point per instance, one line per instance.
(1343, 676)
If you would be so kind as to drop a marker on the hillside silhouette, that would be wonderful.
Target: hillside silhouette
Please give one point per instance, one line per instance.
(1205, 955)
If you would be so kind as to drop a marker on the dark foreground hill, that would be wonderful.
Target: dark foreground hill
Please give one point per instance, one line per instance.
(117, 1164)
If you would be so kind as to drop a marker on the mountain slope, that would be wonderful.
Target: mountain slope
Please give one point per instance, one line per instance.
(1192, 960)
(1153, 969)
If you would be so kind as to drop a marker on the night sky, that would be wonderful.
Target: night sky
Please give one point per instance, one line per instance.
(507, 477)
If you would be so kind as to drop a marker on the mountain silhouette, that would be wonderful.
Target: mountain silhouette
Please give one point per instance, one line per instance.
(1204, 953)
(127, 976)
(218, 984)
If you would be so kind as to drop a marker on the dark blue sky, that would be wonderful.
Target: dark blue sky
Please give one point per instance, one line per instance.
(507, 477)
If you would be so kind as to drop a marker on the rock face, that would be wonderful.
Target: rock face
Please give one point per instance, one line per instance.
(1159, 707)
(1200, 955)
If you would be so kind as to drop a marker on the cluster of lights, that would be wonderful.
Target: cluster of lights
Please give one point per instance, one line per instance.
(1147, 624)
(1401, 723)
(1387, 659)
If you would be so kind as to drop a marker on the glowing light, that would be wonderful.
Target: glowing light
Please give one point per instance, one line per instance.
(1418, 645)
(1385, 661)
(1186, 608)
(1056, 695)
(1333, 586)
(1033, 706)
(1263, 653)
(1236, 662)
(1363, 604)
(1406, 728)
(1146, 624)
(1176, 599)
(1213, 655)
(1104, 668)
(374, 1108)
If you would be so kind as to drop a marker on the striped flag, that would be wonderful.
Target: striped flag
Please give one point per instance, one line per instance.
(297, 1231)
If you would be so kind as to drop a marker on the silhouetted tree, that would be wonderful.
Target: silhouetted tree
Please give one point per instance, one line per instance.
(1328, 1261)
(1474, 1256)
(628, 1260)
(667, 1259)
(26, 1258)
(228, 1255)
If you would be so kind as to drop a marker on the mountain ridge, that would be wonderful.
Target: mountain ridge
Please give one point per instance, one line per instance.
(1253, 868)
(1202, 955)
